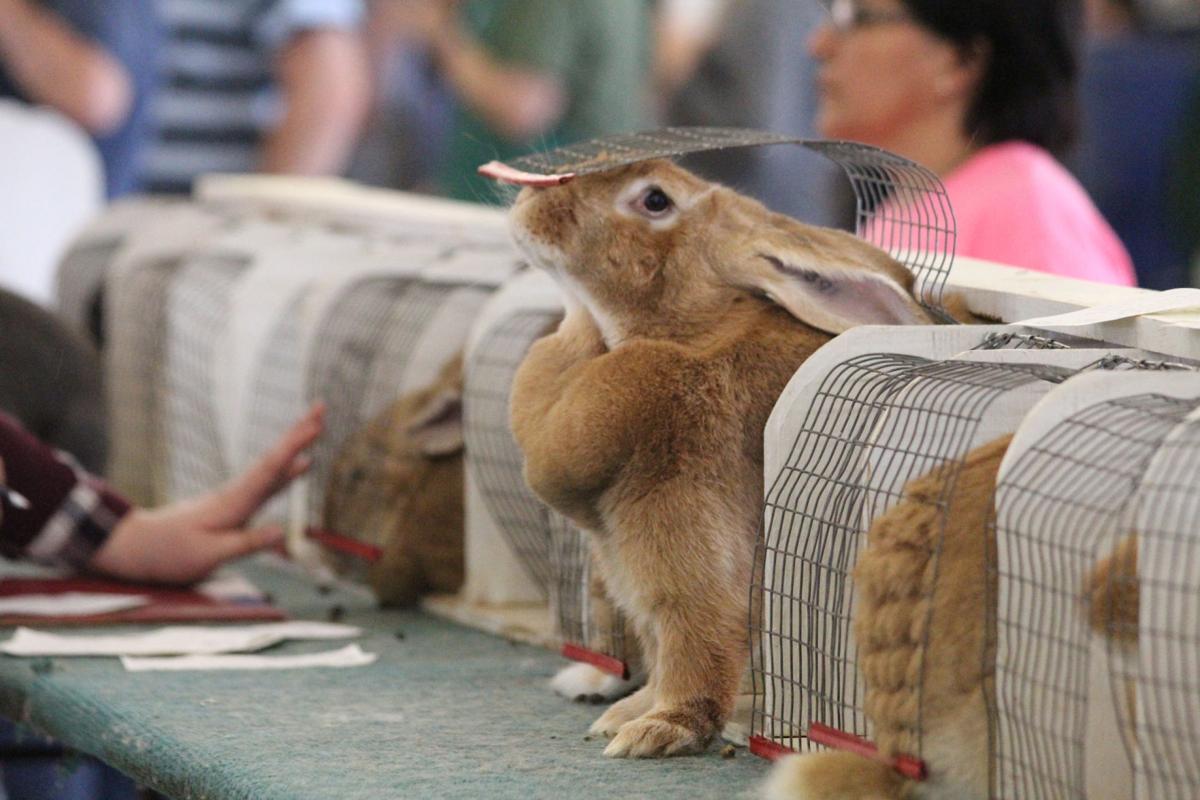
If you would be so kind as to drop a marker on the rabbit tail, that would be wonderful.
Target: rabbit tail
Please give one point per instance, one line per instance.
(834, 776)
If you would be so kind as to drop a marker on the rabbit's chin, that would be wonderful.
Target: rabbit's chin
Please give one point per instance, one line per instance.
(585, 683)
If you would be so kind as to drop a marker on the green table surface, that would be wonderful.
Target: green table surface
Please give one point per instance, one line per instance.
(445, 712)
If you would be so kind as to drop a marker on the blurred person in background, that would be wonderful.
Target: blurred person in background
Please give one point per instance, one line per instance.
(534, 74)
(277, 86)
(685, 32)
(94, 62)
(983, 93)
(404, 143)
(735, 63)
(1135, 82)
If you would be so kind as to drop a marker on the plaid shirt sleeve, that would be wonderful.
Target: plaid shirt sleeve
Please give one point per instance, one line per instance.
(70, 514)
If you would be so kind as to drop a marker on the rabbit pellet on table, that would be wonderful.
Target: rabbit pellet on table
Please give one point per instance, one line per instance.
(445, 712)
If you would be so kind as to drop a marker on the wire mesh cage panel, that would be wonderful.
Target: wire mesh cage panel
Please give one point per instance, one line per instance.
(372, 367)
(899, 418)
(590, 626)
(883, 439)
(494, 459)
(902, 207)
(381, 338)
(275, 320)
(203, 344)
(136, 286)
(81, 271)
(1096, 568)
(197, 310)
(81, 278)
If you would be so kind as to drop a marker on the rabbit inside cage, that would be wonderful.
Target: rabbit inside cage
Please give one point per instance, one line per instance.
(389, 481)
(907, 655)
(1095, 525)
(872, 569)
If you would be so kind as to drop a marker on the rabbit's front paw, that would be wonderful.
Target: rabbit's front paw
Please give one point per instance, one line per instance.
(622, 712)
(654, 736)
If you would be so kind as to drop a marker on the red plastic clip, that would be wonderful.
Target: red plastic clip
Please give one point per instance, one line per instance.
(766, 748)
(907, 766)
(346, 545)
(609, 664)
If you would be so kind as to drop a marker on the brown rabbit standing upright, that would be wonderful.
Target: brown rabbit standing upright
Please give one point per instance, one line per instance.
(689, 307)
(398, 483)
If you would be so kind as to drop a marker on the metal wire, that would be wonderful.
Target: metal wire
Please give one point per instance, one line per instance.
(1065, 505)
(363, 343)
(495, 459)
(135, 329)
(584, 613)
(902, 207)
(877, 421)
(1020, 341)
(80, 279)
(197, 311)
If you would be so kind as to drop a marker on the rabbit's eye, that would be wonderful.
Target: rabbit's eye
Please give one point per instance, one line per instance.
(655, 202)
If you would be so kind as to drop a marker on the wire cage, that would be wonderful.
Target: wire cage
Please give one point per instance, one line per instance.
(81, 271)
(1096, 572)
(379, 338)
(591, 627)
(901, 206)
(884, 446)
(276, 313)
(135, 327)
(197, 354)
(493, 457)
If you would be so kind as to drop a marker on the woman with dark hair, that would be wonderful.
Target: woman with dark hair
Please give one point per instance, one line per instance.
(983, 93)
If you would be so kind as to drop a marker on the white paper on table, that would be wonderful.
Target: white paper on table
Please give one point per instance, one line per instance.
(70, 604)
(171, 641)
(349, 656)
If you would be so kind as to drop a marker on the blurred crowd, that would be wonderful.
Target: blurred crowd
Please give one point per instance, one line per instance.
(995, 96)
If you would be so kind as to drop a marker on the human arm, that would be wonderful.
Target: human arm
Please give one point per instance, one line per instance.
(518, 92)
(183, 542)
(325, 83)
(55, 66)
(75, 519)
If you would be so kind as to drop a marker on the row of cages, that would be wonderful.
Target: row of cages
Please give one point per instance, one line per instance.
(979, 561)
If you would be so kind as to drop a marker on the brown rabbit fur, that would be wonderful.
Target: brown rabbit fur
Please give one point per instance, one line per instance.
(1113, 594)
(921, 621)
(641, 419)
(398, 483)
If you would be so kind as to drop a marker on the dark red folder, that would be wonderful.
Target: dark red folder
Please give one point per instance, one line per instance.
(166, 604)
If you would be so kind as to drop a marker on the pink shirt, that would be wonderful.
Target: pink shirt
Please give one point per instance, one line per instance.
(1015, 204)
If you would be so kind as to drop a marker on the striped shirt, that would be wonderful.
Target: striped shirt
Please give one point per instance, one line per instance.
(218, 96)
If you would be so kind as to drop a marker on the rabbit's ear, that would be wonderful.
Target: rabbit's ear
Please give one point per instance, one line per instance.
(437, 428)
(832, 294)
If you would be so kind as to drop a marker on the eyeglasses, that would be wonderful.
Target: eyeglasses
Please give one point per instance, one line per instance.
(848, 15)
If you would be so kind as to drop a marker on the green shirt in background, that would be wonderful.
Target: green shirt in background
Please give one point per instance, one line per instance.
(599, 49)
